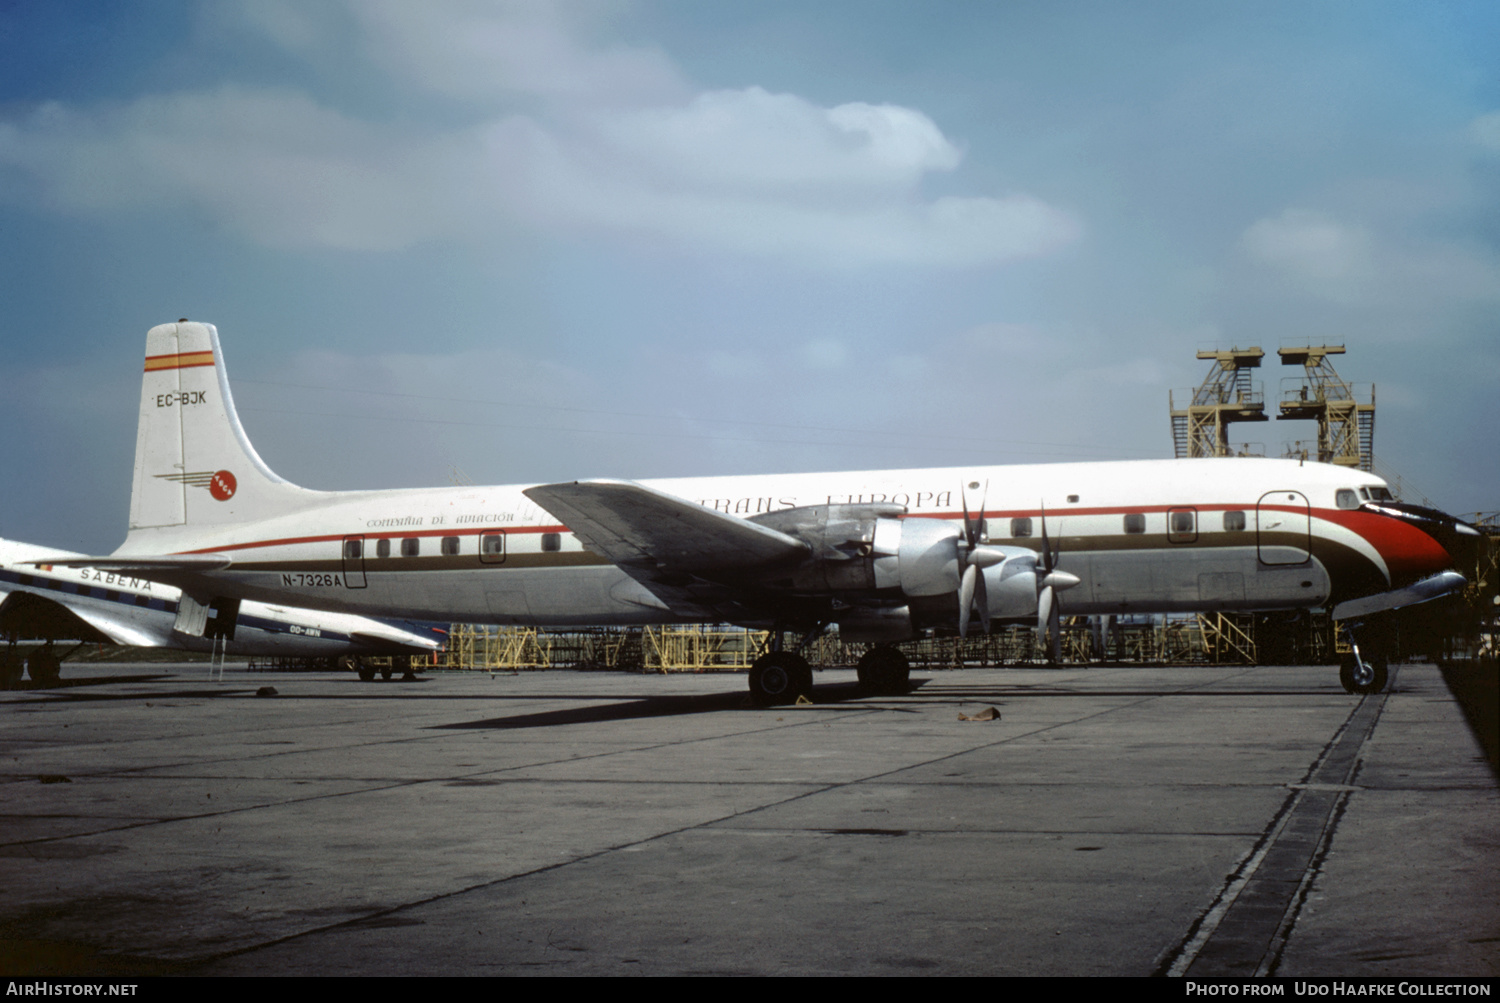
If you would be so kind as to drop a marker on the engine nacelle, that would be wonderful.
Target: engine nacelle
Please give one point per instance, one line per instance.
(876, 624)
(891, 576)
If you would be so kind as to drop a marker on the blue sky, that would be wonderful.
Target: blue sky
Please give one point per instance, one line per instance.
(519, 242)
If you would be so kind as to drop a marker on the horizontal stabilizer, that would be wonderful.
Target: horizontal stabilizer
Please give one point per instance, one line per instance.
(631, 524)
(1439, 585)
(411, 644)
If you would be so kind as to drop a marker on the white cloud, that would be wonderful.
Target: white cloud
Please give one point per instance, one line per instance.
(1485, 131)
(825, 354)
(611, 143)
(1355, 265)
(1325, 256)
(478, 50)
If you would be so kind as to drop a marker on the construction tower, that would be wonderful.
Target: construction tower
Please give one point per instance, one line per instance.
(1228, 395)
(1346, 423)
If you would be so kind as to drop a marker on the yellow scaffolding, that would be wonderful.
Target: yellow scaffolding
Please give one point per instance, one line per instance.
(1201, 420)
(1345, 413)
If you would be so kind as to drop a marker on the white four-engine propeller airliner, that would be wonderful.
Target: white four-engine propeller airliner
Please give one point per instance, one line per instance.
(886, 555)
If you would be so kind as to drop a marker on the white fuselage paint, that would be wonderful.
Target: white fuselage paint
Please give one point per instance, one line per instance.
(1294, 543)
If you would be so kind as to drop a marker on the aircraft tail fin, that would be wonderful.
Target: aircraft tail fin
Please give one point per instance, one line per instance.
(194, 465)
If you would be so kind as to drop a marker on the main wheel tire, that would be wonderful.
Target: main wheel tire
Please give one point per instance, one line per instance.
(780, 677)
(11, 669)
(884, 671)
(45, 670)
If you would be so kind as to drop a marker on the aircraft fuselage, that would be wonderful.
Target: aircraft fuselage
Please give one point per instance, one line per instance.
(1141, 537)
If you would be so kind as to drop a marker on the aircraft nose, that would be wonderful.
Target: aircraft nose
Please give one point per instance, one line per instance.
(1457, 539)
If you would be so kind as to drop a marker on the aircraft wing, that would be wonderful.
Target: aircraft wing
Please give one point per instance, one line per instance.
(1435, 587)
(631, 524)
(687, 555)
(30, 615)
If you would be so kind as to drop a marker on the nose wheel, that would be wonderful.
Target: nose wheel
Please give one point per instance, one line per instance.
(1363, 672)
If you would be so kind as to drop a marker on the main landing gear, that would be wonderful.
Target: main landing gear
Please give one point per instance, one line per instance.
(368, 667)
(780, 677)
(44, 667)
(884, 671)
(11, 667)
(1363, 672)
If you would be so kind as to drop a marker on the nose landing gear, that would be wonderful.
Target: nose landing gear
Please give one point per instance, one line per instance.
(1363, 672)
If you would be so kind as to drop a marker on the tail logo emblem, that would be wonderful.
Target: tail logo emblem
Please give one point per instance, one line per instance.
(220, 483)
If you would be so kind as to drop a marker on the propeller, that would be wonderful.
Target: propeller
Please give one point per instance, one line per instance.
(1053, 581)
(974, 558)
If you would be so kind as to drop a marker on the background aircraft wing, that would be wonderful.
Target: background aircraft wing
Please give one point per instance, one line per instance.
(144, 565)
(30, 615)
(630, 523)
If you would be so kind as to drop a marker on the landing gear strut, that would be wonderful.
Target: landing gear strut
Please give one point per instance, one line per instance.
(10, 666)
(884, 671)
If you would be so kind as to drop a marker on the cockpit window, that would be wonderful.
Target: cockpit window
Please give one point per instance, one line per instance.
(1381, 493)
(1346, 498)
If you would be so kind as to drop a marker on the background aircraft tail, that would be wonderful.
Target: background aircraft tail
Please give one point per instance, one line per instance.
(194, 465)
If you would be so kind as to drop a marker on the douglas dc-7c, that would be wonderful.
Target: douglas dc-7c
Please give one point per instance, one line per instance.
(886, 555)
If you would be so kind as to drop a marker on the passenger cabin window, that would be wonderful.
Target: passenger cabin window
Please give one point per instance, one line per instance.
(450, 546)
(382, 548)
(551, 542)
(411, 546)
(1234, 522)
(352, 549)
(143, 600)
(1135, 522)
(1346, 498)
(1182, 525)
(492, 547)
(1020, 527)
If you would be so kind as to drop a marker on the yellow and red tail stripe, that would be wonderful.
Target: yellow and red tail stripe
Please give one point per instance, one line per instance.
(181, 360)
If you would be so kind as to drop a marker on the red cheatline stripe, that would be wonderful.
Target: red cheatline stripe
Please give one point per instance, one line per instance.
(395, 533)
(182, 360)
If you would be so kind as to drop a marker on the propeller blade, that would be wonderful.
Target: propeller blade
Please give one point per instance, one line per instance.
(1044, 609)
(963, 498)
(966, 598)
(982, 602)
(1046, 544)
(1054, 631)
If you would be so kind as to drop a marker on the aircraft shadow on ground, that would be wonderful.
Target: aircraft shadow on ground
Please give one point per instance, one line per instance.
(828, 696)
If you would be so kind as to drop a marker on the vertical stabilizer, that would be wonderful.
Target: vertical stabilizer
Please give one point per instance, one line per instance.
(194, 465)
